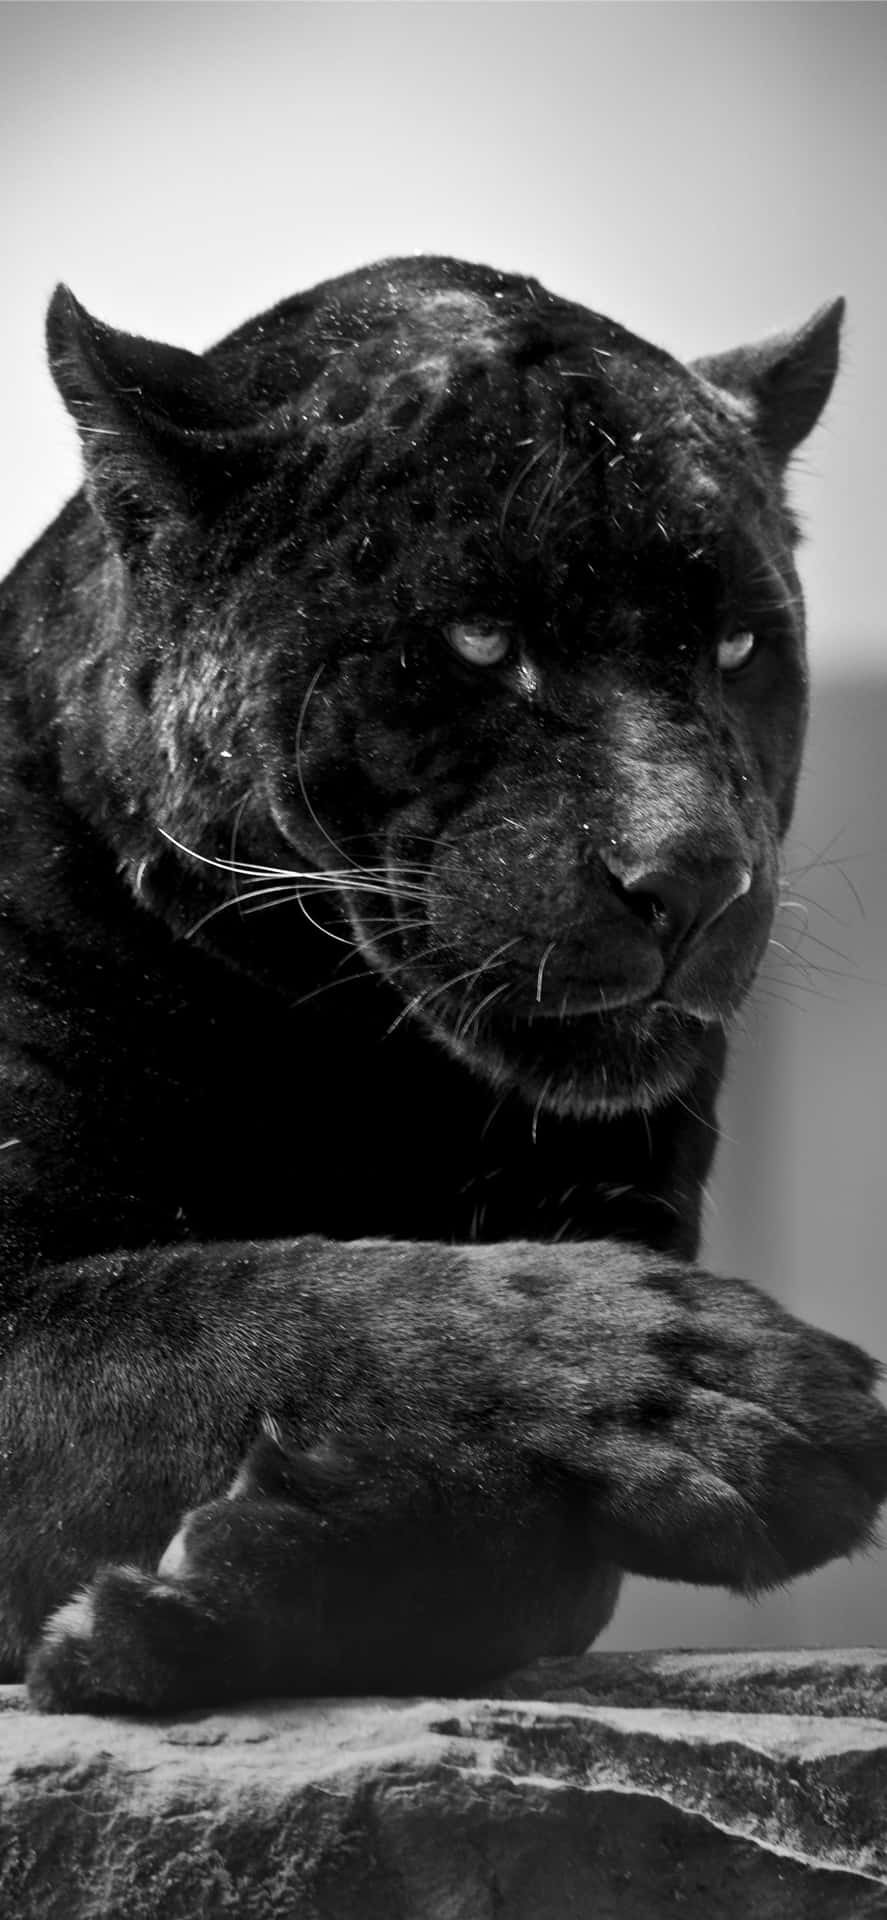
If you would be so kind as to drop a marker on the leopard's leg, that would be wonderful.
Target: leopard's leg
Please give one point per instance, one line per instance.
(508, 1424)
(333, 1571)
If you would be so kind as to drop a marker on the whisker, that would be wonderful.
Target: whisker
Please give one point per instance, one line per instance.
(223, 906)
(387, 974)
(420, 1000)
(495, 1110)
(534, 1124)
(237, 822)
(836, 952)
(820, 860)
(849, 884)
(518, 481)
(805, 906)
(799, 986)
(761, 990)
(340, 937)
(546, 497)
(353, 877)
(466, 1026)
(792, 954)
(710, 1126)
(298, 887)
(300, 727)
(225, 866)
(542, 965)
(285, 897)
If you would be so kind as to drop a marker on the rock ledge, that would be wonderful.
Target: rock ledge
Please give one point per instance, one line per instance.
(617, 1785)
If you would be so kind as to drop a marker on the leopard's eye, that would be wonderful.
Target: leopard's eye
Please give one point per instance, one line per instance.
(481, 646)
(736, 651)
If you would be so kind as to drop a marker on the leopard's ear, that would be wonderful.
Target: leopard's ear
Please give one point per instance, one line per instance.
(154, 421)
(785, 381)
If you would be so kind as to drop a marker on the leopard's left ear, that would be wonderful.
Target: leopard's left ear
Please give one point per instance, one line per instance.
(785, 380)
(156, 426)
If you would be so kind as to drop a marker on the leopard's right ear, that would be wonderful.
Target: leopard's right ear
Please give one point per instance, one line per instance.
(159, 432)
(784, 381)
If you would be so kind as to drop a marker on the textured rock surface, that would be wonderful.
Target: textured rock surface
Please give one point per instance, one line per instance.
(701, 1784)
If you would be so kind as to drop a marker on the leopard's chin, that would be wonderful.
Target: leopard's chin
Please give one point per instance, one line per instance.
(625, 1059)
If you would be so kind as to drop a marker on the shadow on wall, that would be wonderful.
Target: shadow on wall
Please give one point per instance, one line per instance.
(799, 1199)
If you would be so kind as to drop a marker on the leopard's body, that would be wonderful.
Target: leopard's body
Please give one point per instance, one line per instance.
(399, 733)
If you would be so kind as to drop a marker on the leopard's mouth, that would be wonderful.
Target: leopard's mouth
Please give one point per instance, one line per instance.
(569, 1040)
(630, 1055)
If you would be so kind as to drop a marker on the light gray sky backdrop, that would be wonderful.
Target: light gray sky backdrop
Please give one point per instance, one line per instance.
(703, 172)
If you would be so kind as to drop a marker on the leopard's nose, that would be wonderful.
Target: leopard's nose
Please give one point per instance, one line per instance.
(676, 905)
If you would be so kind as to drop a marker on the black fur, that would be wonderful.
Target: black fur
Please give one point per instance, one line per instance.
(257, 640)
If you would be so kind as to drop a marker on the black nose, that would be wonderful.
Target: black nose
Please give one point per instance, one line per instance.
(678, 906)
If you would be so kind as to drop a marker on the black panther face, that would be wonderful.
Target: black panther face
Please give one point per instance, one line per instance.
(503, 600)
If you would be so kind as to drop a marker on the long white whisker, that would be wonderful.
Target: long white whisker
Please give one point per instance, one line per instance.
(243, 901)
(293, 888)
(226, 866)
(340, 937)
(359, 879)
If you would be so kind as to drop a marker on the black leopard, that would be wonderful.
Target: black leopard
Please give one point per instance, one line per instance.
(399, 734)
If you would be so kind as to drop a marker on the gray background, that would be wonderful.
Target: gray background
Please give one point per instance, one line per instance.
(705, 173)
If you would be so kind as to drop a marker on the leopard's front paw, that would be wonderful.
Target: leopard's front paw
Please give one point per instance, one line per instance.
(749, 1448)
(125, 1643)
(786, 1417)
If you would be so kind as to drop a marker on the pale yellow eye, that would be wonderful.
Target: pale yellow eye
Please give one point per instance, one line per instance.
(735, 652)
(481, 646)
